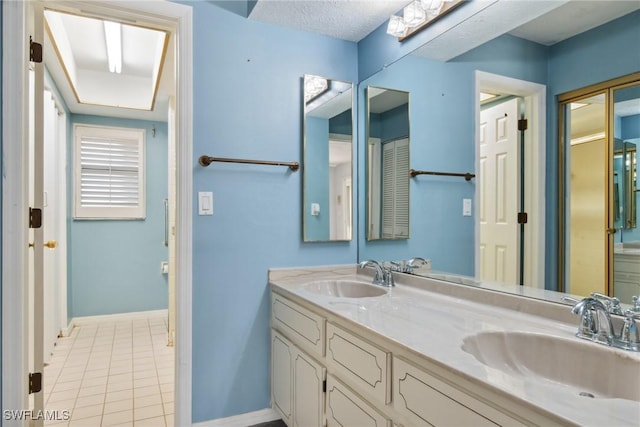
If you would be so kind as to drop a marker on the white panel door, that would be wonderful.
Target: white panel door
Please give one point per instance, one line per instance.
(499, 184)
(54, 222)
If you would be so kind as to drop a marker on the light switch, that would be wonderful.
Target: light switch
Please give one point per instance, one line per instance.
(205, 203)
(315, 209)
(466, 207)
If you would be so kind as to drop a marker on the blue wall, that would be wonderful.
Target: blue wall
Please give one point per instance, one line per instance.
(114, 265)
(248, 104)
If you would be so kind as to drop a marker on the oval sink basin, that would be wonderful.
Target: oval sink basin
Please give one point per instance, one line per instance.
(594, 370)
(344, 288)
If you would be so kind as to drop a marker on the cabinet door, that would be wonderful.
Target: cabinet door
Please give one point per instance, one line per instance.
(425, 400)
(346, 409)
(359, 363)
(308, 396)
(282, 353)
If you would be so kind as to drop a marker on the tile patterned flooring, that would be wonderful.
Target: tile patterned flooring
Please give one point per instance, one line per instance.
(113, 373)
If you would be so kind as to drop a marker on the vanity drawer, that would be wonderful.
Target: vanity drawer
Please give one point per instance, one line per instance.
(427, 401)
(345, 408)
(360, 363)
(302, 326)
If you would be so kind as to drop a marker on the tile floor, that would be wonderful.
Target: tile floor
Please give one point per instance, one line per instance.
(113, 373)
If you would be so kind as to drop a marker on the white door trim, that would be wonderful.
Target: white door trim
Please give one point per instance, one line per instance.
(535, 105)
(14, 194)
(14, 209)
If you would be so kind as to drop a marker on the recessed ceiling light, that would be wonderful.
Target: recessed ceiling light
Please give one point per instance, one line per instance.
(108, 63)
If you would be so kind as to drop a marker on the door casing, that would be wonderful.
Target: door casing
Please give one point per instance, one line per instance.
(535, 176)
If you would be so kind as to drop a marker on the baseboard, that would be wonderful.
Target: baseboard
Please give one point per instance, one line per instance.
(66, 331)
(86, 320)
(242, 420)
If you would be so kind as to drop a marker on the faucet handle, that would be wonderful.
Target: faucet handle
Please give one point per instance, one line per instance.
(588, 327)
(629, 335)
(636, 304)
(415, 262)
(611, 303)
(399, 266)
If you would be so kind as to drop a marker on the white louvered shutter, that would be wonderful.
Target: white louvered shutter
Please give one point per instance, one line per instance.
(109, 173)
(395, 189)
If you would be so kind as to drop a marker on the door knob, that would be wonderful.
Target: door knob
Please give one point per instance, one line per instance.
(51, 244)
(611, 230)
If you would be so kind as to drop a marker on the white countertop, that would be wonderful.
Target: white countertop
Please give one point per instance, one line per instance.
(434, 325)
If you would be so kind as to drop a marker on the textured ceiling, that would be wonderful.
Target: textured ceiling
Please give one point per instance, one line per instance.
(343, 19)
(542, 21)
(573, 18)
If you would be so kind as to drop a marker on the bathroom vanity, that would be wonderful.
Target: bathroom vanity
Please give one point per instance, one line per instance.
(427, 352)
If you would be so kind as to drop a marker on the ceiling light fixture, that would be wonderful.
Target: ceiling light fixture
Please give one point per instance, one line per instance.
(314, 86)
(418, 15)
(113, 38)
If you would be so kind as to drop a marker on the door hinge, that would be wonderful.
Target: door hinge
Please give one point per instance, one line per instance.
(522, 218)
(324, 386)
(35, 51)
(522, 124)
(35, 382)
(35, 217)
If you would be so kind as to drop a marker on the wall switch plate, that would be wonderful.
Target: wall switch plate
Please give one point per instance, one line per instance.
(466, 207)
(205, 203)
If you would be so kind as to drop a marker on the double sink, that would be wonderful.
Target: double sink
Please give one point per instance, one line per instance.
(593, 371)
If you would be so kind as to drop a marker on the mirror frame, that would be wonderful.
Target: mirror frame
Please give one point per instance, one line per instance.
(306, 179)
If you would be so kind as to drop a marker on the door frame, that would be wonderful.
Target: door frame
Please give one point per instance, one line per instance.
(15, 195)
(535, 177)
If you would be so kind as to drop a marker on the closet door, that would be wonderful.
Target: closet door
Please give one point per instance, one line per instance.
(395, 189)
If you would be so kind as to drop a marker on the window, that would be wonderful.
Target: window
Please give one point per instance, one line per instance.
(109, 173)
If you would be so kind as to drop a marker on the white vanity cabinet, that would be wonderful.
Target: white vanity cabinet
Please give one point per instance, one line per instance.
(297, 379)
(425, 400)
(328, 371)
(359, 362)
(346, 408)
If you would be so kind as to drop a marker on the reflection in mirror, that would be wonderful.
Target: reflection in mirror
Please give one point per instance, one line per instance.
(443, 134)
(626, 131)
(387, 136)
(601, 238)
(328, 133)
(587, 199)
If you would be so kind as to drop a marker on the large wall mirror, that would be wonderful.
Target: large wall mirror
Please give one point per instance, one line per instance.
(446, 113)
(601, 127)
(328, 152)
(387, 136)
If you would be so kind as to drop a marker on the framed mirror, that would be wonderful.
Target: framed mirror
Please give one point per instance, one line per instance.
(327, 187)
(388, 143)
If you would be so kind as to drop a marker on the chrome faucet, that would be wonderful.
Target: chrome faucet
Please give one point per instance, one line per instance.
(598, 329)
(596, 325)
(383, 275)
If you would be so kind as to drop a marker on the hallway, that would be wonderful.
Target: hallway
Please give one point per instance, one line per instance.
(115, 372)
